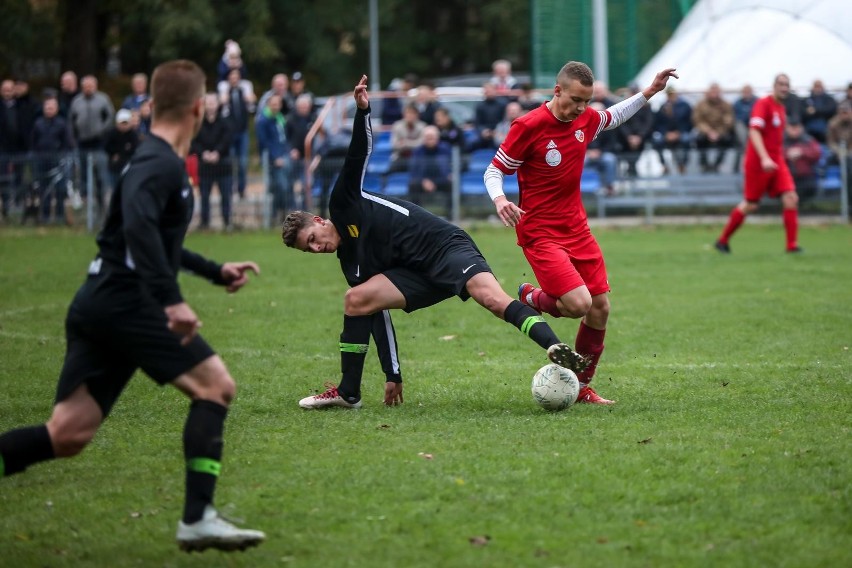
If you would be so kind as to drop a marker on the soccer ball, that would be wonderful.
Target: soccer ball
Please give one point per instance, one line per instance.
(555, 387)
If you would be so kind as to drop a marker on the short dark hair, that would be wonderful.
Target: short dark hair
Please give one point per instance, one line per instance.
(175, 86)
(576, 70)
(293, 223)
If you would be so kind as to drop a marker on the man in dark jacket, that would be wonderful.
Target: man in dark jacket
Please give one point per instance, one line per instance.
(51, 143)
(212, 145)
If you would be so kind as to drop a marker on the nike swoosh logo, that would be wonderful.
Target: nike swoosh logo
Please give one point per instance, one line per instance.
(358, 271)
(468, 268)
(184, 193)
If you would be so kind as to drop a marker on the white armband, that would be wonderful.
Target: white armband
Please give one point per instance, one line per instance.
(625, 109)
(493, 178)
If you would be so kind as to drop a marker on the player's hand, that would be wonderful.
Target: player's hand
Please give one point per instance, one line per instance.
(659, 82)
(361, 98)
(393, 393)
(508, 212)
(768, 164)
(183, 321)
(236, 274)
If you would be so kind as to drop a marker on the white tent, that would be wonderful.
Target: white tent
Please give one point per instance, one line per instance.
(738, 42)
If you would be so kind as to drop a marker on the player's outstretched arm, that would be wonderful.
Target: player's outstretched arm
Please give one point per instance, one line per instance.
(235, 274)
(660, 81)
(360, 94)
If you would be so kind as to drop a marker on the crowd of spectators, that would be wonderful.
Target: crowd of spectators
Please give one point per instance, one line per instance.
(51, 144)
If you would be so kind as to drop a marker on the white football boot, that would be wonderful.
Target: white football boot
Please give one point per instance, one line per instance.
(328, 399)
(212, 531)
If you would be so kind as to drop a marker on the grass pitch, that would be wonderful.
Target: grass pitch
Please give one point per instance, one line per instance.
(729, 445)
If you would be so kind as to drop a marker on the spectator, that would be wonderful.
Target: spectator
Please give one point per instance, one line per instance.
(817, 110)
(299, 123)
(713, 118)
(272, 142)
(513, 111)
(793, 106)
(802, 153)
(138, 92)
(840, 139)
(672, 125)
(429, 169)
(13, 144)
(601, 94)
(848, 97)
(426, 104)
(392, 106)
(297, 86)
(68, 89)
(601, 154)
(529, 99)
(329, 153)
(633, 134)
(120, 143)
(406, 135)
(488, 113)
(280, 86)
(30, 109)
(212, 145)
(840, 129)
(142, 117)
(231, 59)
(503, 80)
(742, 114)
(237, 104)
(51, 143)
(449, 130)
(91, 117)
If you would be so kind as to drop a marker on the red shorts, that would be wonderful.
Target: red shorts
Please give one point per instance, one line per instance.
(560, 266)
(759, 182)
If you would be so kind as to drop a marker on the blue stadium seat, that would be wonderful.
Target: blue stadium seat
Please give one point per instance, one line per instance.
(831, 181)
(479, 160)
(379, 162)
(471, 137)
(382, 141)
(373, 182)
(472, 184)
(396, 184)
(590, 182)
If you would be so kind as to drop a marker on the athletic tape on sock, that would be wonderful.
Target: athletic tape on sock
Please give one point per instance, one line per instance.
(353, 347)
(204, 465)
(529, 322)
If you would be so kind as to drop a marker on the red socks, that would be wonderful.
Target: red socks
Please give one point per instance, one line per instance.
(590, 344)
(734, 221)
(791, 226)
(545, 303)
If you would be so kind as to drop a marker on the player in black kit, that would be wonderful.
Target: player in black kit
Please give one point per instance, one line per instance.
(396, 255)
(129, 314)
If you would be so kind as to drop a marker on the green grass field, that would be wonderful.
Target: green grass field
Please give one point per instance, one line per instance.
(729, 445)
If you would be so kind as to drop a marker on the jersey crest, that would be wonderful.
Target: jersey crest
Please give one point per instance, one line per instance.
(553, 157)
(776, 120)
(578, 134)
(353, 231)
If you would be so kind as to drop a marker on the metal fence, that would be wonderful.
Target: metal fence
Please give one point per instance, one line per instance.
(74, 188)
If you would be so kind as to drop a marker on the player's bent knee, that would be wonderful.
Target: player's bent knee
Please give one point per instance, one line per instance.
(69, 439)
(575, 306)
(355, 303)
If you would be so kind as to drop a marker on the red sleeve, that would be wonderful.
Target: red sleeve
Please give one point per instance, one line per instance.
(513, 150)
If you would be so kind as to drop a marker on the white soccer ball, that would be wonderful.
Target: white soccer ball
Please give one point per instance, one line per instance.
(555, 387)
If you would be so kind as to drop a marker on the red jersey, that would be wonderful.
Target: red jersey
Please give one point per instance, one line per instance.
(770, 117)
(548, 156)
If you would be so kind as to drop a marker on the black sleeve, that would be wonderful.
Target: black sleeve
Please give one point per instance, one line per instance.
(197, 264)
(347, 189)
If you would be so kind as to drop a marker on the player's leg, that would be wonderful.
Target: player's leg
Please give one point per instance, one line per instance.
(755, 184)
(211, 388)
(70, 428)
(784, 186)
(376, 294)
(484, 288)
(563, 293)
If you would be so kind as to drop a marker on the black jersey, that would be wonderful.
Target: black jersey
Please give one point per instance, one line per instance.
(380, 232)
(149, 214)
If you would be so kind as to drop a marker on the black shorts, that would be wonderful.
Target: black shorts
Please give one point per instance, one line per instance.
(114, 328)
(444, 277)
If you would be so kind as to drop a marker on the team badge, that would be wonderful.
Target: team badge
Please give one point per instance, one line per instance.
(578, 134)
(353, 231)
(776, 120)
(553, 157)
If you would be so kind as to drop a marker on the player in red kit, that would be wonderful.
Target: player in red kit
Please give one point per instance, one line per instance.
(766, 171)
(547, 147)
